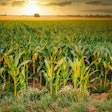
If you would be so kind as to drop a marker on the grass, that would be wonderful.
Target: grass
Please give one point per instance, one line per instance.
(40, 101)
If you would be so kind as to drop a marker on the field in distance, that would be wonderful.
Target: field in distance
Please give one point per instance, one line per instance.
(51, 18)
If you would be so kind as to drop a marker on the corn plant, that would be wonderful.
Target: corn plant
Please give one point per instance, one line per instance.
(3, 80)
(80, 74)
(104, 64)
(15, 69)
(52, 71)
(64, 71)
(49, 74)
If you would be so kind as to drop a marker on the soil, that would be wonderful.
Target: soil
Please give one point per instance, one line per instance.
(92, 108)
(100, 97)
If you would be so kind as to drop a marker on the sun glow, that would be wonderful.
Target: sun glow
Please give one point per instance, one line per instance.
(31, 8)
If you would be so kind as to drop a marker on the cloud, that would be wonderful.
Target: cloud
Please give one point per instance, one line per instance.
(104, 3)
(4, 3)
(99, 11)
(19, 3)
(58, 4)
(93, 2)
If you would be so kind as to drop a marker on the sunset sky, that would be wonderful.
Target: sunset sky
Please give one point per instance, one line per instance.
(55, 7)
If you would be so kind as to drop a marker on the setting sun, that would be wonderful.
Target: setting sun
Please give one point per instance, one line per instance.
(31, 8)
(55, 7)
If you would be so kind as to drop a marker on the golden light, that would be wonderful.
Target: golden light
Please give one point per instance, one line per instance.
(31, 8)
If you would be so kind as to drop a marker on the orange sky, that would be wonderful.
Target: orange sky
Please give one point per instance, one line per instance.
(55, 7)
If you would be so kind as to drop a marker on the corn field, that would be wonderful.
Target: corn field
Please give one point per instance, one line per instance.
(54, 54)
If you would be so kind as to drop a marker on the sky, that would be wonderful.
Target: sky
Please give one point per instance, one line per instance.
(55, 7)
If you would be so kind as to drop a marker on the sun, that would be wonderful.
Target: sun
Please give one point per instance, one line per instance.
(31, 8)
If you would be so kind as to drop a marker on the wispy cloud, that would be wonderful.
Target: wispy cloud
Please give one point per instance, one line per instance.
(58, 4)
(104, 3)
(4, 3)
(18, 3)
(98, 11)
(93, 2)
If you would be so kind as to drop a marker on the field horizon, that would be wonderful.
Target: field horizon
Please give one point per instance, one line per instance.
(52, 18)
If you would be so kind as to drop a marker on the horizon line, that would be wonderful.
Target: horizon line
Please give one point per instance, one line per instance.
(62, 15)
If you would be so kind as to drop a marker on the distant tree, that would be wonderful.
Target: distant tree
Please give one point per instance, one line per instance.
(36, 15)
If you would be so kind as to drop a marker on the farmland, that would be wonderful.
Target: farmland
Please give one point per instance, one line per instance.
(44, 18)
(53, 55)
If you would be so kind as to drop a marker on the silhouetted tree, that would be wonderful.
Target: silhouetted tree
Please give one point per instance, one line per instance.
(36, 15)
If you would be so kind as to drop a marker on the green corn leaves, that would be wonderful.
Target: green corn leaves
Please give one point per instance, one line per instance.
(13, 66)
(55, 53)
